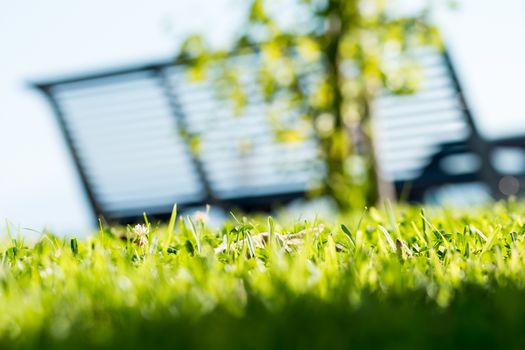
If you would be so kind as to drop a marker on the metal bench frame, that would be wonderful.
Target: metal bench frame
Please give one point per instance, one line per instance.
(431, 176)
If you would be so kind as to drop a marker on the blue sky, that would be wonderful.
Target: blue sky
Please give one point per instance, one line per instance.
(38, 186)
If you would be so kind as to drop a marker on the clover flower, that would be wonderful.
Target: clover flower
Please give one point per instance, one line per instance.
(201, 216)
(141, 234)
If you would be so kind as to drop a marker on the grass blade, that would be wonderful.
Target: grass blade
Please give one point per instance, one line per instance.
(74, 246)
(195, 234)
(348, 234)
(251, 244)
(478, 232)
(271, 231)
(171, 225)
(388, 238)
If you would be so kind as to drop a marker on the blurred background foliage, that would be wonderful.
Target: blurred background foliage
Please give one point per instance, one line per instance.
(356, 49)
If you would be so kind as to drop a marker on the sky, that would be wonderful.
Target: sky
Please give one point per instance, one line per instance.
(39, 39)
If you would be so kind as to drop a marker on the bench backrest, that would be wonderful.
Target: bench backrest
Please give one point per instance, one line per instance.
(429, 139)
(130, 135)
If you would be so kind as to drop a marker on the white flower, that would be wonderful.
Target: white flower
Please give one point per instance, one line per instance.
(141, 230)
(141, 234)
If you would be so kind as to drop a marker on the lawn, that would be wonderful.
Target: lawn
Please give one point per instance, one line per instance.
(388, 277)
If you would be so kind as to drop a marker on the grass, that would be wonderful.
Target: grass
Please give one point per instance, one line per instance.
(398, 277)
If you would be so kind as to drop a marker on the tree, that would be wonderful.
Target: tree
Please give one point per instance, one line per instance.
(356, 48)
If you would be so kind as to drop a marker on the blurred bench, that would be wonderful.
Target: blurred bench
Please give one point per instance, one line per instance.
(429, 140)
(129, 133)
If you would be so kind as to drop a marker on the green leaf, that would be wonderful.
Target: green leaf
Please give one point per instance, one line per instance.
(348, 234)
(74, 246)
(189, 247)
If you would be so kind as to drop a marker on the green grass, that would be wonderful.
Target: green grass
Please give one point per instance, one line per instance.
(394, 278)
